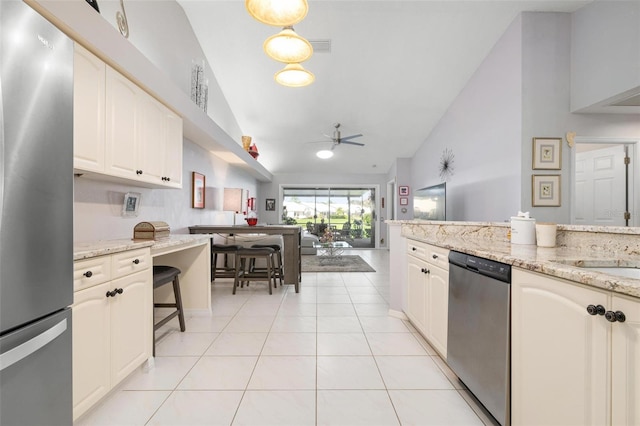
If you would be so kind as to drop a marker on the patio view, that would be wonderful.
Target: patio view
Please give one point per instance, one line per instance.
(347, 213)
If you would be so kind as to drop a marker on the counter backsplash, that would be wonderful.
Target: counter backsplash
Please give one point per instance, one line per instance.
(606, 240)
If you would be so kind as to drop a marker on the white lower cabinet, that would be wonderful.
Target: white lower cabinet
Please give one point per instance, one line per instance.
(570, 367)
(625, 363)
(428, 292)
(112, 335)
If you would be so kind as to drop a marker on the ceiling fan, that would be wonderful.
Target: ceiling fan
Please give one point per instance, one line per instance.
(337, 138)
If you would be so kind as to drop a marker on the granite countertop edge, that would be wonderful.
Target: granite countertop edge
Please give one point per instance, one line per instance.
(559, 262)
(87, 250)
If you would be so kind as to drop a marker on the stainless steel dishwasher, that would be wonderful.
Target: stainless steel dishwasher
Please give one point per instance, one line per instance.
(478, 338)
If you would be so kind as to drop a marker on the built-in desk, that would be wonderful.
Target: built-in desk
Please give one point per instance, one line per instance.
(189, 253)
(291, 235)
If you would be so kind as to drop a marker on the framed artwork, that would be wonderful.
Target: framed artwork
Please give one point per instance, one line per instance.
(547, 153)
(197, 190)
(270, 204)
(404, 201)
(545, 190)
(403, 191)
(131, 205)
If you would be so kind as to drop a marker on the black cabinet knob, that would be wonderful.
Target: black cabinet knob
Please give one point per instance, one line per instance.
(138, 172)
(119, 290)
(596, 310)
(620, 316)
(435, 256)
(168, 179)
(136, 261)
(610, 316)
(111, 293)
(88, 274)
(413, 248)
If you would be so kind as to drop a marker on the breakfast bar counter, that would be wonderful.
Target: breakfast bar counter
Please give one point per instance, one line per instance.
(291, 235)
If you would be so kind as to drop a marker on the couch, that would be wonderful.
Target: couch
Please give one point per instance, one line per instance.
(306, 246)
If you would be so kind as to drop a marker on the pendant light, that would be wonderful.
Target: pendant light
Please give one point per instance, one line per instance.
(279, 13)
(288, 47)
(294, 75)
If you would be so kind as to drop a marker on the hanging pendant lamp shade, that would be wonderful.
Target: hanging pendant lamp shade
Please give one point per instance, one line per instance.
(294, 75)
(279, 13)
(288, 47)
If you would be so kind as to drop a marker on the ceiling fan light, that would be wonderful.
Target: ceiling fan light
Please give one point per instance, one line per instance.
(288, 47)
(279, 13)
(294, 75)
(324, 154)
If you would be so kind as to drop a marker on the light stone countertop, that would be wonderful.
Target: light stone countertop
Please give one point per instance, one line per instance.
(576, 246)
(104, 247)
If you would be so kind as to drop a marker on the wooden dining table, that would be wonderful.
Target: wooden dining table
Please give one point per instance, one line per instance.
(291, 236)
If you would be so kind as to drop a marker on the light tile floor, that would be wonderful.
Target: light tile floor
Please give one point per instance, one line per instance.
(329, 355)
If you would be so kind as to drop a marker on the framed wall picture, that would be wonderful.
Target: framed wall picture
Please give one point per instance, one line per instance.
(131, 205)
(547, 153)
(197, 190)
(545, 190)
(403, 191)
(404, 201)
(270, 204)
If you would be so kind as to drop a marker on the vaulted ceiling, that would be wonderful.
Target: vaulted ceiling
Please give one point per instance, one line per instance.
(392, 70)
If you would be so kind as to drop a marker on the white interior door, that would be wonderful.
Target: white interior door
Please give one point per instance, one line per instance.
(600, 187)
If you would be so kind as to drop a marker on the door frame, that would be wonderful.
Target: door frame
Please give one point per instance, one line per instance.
(634, 202)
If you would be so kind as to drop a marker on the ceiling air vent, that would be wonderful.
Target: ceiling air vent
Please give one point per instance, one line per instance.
(320, 46)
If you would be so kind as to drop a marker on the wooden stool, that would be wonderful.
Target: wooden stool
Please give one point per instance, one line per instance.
(164, 275)
(226, 271)
(244, 273)
(279, 268)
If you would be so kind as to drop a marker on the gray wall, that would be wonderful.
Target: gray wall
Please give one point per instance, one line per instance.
(98, 205)
(482, 129)
(400, 172)
(162, 32)
(546, 70)
(521, 91)
(606, 51)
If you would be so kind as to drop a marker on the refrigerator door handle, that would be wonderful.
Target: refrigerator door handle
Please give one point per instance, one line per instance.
(22, 351)
(1, 152)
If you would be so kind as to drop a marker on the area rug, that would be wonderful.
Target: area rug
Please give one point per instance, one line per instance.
(351, 263)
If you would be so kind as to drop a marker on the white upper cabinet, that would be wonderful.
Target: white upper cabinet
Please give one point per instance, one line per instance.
(122, 147)
(122, 133)
(88, 112)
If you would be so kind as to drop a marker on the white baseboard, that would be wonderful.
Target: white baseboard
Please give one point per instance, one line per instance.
(397, 314)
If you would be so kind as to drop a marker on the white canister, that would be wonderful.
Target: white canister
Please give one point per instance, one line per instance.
(523, 230)
(546, 234)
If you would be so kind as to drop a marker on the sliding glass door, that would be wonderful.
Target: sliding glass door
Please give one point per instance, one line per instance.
(345, 213)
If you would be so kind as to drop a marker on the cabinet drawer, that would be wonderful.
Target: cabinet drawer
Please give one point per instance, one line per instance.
(417, 249)
(90, 272)
(438, 256)
(128, 262)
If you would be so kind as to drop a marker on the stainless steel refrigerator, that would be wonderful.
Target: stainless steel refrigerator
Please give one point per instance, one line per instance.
(36, 219)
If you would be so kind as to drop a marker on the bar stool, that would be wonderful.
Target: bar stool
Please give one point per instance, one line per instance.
(243, 271)
(225, 271)
(164, 275)
(279, 268)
